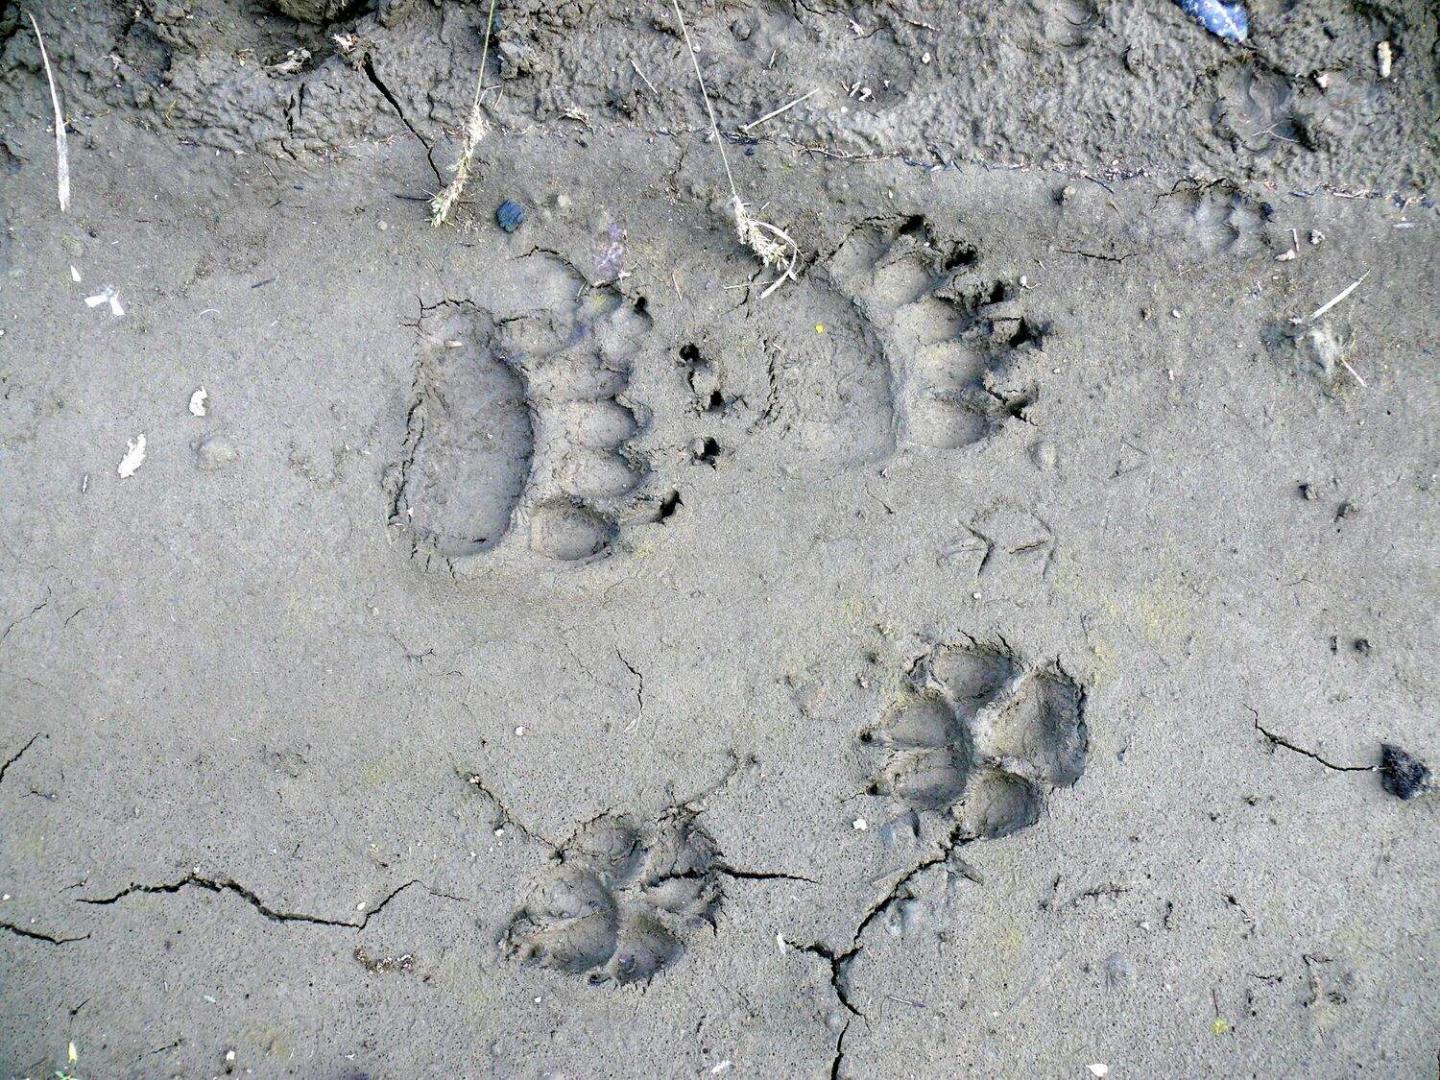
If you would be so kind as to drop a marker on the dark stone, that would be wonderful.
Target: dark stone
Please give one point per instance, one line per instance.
(1401, 773)
(510, 215)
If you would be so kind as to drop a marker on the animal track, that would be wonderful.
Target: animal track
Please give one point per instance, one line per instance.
(981, 737)
(1218, 219)
(958, 345)
(1255, 107)
(519, 431)
(623, 900)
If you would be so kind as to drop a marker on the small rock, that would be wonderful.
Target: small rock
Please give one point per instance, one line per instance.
(1362, 646)
(134, 457)
(1401, 773)
(1384, 58)
(214, 452)
(1067, 194)
(510, 215)
(1307, 492)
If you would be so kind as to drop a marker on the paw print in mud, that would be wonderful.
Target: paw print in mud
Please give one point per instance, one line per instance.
(623, 900)
(982, 737)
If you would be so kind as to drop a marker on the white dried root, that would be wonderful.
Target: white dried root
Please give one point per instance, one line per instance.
(772, 244)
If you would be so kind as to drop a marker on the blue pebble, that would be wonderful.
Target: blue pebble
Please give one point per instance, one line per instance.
(510, 215)
(1228, 21)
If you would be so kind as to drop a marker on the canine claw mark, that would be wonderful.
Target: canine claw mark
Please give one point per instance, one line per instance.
(223, 885)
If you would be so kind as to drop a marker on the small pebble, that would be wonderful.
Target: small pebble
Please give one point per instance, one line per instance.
(510, 215)
(860, 824)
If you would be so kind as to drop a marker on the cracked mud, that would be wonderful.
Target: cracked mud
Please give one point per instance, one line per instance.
(1005, 648)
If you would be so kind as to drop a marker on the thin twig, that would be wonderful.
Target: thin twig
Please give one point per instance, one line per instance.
(62, 150)
(1354, 373)
(476, 128)
(705, 96)
(1323, 308)
(776, 112)
(648, 83)
(758, 236)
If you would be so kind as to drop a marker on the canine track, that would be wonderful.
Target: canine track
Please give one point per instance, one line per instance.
(623, 900)
(982, 738)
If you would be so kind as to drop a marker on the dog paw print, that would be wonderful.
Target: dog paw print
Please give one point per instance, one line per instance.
(982, 737)
(622, 901)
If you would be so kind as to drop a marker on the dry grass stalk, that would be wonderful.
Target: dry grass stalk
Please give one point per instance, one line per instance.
(774, 247)
(476, 128)
(62, 149)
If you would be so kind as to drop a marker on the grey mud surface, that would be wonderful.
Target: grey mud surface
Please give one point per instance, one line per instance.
(548, 658)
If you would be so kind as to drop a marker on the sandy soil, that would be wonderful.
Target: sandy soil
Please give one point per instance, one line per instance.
(548, 657)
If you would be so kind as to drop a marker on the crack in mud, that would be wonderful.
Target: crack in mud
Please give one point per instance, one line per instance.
(27, 616)
(36, 935)
(230, 885)
(19, 754)
(503, 814)
(368, 66)
(1279, 740)
(639, 689)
